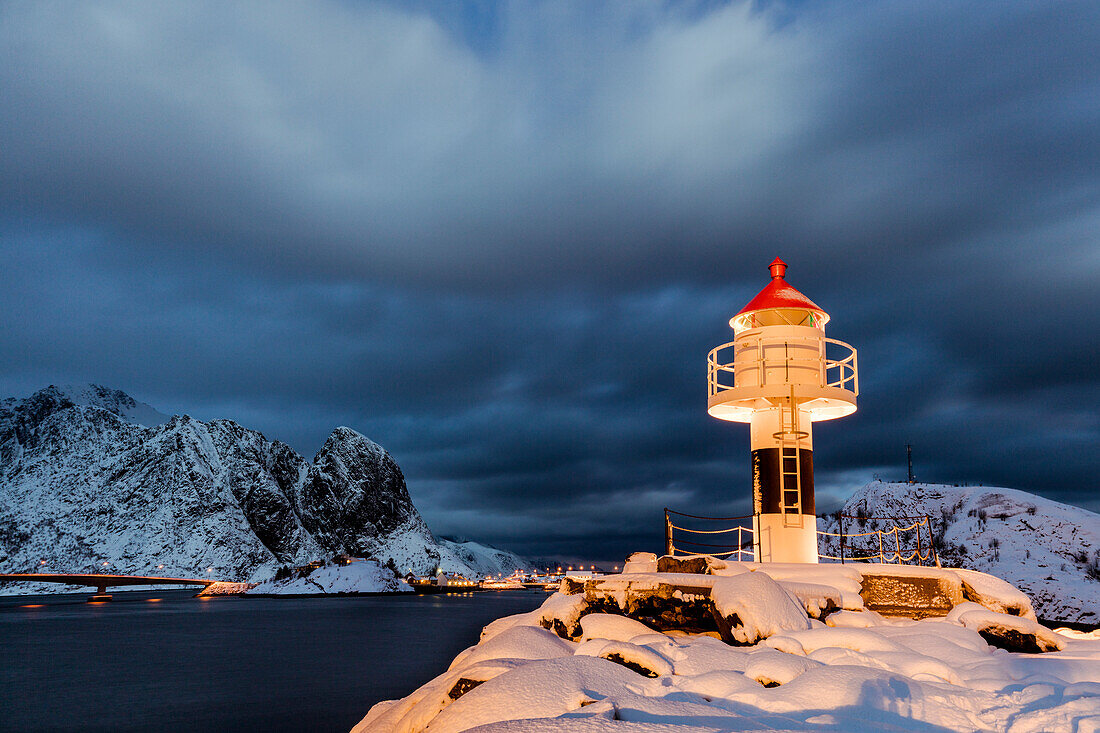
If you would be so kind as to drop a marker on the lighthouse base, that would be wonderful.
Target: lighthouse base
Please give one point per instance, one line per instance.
(776, 540)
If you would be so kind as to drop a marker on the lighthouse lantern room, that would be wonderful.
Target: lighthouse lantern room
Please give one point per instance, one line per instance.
(780, 374)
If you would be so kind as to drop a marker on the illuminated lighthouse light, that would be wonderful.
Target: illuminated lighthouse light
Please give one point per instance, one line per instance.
(781, 374)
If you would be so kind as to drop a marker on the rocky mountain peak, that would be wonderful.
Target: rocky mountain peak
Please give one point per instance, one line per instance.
(19, 419)
(89, 475)
(355, 492)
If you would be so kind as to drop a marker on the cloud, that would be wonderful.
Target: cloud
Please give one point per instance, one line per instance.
(501, 241)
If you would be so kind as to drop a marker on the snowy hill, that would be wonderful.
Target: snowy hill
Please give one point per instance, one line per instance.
(1049, 550)
(482, 559)
(90, 476)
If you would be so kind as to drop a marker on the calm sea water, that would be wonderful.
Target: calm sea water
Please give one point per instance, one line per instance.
(227, 663)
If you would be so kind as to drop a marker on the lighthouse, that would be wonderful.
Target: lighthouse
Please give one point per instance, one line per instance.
(780, 374)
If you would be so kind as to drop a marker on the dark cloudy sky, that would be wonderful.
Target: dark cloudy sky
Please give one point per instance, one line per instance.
(500, 239)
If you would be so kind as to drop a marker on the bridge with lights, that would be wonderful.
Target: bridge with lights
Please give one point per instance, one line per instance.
(101, 582)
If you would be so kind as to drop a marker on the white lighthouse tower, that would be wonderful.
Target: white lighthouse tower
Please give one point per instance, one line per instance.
(780, 374)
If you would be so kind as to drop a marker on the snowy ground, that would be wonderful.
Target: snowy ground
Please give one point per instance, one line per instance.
(856, 671)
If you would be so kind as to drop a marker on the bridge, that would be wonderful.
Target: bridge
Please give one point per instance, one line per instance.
(100, 582)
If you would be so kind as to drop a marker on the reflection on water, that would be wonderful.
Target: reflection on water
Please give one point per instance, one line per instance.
(164, 660)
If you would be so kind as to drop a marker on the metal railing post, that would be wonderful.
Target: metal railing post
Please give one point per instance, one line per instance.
(932, 542)
(841, 516)
(668, 533)
(855, 372)
(760, 361)
(823, 367)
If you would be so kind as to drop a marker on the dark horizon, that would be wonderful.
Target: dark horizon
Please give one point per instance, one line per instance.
(500, 240)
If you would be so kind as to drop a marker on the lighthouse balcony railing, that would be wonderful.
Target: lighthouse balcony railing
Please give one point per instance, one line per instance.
(761, 361)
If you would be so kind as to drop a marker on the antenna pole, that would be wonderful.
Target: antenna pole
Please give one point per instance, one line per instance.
(909, 456)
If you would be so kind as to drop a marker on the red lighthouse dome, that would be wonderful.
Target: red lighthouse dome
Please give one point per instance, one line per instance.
(779, 303)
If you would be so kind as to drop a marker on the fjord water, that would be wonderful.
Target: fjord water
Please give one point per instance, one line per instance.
(230, 663)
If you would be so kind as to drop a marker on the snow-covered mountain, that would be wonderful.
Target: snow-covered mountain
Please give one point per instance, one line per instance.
(92, 480)
(484, 560)
(1049, 550)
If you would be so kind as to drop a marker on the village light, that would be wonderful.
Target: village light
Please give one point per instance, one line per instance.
(780, 374)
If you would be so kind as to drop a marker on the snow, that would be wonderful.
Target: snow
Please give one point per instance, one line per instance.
(857, 671)
(547, 688)
(697, 655)
(760, 605)
(364, 576)
(641, 659)
(116, 401)
(641, 562)
(416, 711)
(611, 627)
(518, 642)
(854, 619)
(815, 598)
(772, 668)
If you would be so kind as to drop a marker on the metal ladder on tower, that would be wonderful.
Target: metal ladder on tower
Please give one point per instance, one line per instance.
(790, 462)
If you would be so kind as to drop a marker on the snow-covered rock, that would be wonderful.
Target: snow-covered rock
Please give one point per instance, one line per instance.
(754, 607)
(1049, 550)
(868, 673)
(93, 481)
(1008, 632)
(773, 668)
(641, 659)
